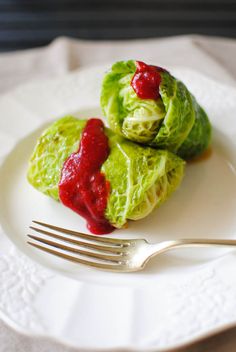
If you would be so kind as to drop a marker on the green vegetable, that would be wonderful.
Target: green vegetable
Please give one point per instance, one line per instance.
(199, 137)
(175, 121)
(54, 146)
(140, 177)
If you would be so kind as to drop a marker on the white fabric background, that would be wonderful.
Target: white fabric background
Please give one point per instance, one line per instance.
(212, 56)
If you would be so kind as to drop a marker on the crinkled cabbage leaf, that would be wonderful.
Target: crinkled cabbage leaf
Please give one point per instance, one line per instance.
(174, 121)
(140, 177)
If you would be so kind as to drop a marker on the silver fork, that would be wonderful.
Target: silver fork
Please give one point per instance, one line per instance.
(113, 254)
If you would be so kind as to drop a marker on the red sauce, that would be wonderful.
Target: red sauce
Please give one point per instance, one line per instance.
(146, 81)
(82, 187)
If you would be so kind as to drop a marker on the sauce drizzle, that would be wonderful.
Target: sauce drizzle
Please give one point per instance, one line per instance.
(146, 81)
(82, 187)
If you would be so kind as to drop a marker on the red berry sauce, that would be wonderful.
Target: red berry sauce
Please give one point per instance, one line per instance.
(146, 81)
(82, 187)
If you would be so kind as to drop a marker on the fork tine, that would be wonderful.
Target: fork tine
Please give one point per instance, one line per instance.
(93, 255)
(113, 241)
(111, 267)
(98, 247)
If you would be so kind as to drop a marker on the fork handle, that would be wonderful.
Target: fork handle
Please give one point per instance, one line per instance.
(193, 242)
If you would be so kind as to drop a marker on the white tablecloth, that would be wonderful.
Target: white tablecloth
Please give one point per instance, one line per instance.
(212, 56)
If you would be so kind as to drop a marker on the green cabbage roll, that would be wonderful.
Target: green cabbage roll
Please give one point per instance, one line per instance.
(140, 177)
(173, 121)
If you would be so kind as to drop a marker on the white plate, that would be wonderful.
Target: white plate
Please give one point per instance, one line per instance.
(179, 297)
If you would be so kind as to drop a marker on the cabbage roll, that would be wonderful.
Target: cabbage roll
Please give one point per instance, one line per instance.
(146, 104)
(140, 177)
